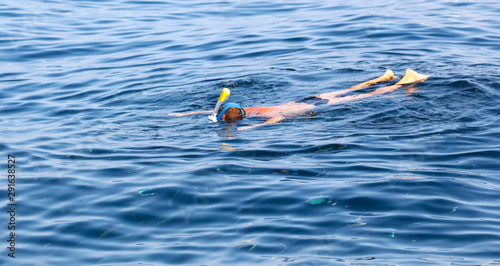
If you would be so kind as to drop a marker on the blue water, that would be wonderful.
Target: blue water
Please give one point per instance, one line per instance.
(106, 177)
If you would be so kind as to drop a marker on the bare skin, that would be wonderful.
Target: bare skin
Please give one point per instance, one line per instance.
(277, 113)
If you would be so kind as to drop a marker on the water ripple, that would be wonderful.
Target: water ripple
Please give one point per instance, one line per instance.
(105, 176)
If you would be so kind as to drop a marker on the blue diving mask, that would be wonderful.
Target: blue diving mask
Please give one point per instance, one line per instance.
(227, 106)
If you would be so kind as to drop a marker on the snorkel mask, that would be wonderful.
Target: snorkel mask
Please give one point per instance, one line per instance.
(222, 98)
(227, 106)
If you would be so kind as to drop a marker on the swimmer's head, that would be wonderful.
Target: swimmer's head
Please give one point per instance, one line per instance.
(230, 111)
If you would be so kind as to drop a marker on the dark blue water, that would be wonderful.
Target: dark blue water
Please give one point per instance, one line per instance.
(106, 177)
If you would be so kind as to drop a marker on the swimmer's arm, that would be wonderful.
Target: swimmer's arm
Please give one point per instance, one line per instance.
(190, 113)
(273, 120)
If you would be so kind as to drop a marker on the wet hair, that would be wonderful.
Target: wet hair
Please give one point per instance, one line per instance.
(233, 113)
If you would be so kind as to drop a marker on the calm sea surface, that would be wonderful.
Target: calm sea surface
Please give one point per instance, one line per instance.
(105, 177)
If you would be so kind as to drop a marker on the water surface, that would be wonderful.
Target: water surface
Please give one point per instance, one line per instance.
(106, 177)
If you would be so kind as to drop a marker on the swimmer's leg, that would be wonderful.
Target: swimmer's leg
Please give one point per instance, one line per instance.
(410, 77)
(387, 76)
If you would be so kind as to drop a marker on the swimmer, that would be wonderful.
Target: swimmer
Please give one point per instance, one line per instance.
(277, 113)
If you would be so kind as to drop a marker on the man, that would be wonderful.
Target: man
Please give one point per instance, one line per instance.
(274, 114)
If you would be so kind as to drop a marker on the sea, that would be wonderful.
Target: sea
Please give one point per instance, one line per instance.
(94, 170)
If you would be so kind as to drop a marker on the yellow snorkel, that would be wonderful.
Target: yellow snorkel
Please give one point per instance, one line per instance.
(222, 98)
